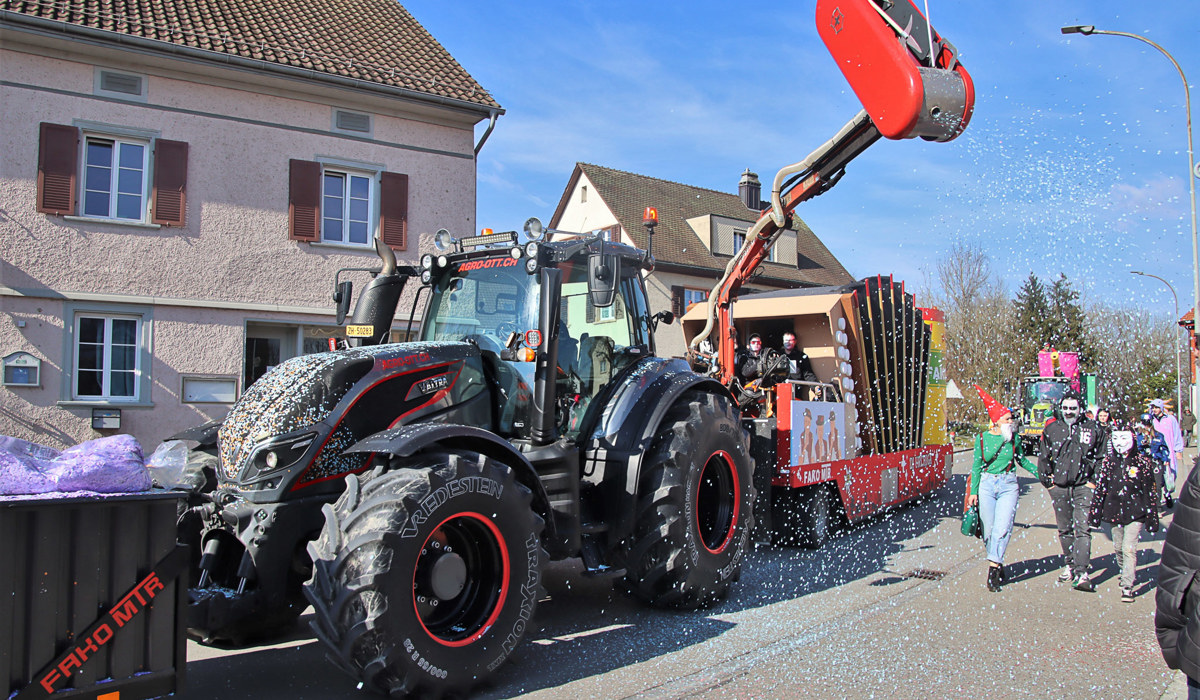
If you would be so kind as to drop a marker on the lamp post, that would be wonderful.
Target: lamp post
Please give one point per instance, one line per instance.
(1193, 173)
(1178, 389)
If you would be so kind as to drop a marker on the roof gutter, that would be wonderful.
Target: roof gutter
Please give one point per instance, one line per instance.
(47, 27)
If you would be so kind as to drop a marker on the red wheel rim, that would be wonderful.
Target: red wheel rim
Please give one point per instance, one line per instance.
(470, 547)
(718, 499)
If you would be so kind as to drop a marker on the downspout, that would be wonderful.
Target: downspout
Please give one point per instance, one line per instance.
(491, 125)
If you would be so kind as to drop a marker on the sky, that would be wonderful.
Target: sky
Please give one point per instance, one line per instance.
(1075, 161)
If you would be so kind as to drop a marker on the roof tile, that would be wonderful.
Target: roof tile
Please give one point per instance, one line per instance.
(373, 40)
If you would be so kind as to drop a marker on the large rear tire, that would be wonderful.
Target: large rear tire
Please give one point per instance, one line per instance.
(425, 577)
(695, 506)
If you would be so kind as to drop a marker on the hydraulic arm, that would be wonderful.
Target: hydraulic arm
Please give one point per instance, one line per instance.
(910, 83)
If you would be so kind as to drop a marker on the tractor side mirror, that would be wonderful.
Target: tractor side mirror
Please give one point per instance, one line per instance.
(666, 317)
(341, 297)
(603, 273)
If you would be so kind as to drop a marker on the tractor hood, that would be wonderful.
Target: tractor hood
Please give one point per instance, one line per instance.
(298, 418)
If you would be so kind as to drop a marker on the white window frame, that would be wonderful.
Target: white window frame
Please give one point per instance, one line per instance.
(106, 358)
(118, 142)
(372, 220)
(697, 296)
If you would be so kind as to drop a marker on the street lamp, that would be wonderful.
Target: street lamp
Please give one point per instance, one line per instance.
(1193, 172)
(1178, 390)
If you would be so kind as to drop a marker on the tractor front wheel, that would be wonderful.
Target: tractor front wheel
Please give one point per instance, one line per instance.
(426, 576)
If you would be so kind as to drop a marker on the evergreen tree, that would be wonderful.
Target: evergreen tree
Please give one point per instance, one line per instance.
(1033, 317)
(1067, 330)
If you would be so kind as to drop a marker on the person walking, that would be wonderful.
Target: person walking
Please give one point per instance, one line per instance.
(1105, 424)
(1127, 501)
(1187, 423)
(1153, 445)
(994, 484)
(1177, 601)
(1168, 425)
(1071, 452)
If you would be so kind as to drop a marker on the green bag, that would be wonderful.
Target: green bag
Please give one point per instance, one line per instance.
(971, 526)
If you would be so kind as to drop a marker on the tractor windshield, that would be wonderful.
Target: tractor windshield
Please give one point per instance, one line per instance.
(484, 300)
(1050, 392)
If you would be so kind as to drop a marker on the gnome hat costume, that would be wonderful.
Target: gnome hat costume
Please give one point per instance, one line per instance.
(995, 409)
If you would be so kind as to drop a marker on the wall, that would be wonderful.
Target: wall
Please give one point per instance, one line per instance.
(232, 261)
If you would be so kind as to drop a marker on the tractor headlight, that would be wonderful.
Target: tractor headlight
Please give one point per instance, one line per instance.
(531, 249)
(443, 241)
(427, 261)
(426, 277)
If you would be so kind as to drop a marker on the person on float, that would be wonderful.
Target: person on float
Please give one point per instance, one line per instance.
(994, 485)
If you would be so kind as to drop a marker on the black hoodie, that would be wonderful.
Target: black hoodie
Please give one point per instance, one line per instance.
(1071, 453)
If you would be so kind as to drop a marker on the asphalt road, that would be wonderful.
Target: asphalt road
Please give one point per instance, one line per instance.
(895, 608)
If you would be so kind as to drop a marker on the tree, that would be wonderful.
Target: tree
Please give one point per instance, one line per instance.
(1033, 322)
(979, 331)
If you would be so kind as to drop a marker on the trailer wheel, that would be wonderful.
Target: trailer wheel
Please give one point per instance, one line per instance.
(425, 577)
(803, 517)
(695, 506)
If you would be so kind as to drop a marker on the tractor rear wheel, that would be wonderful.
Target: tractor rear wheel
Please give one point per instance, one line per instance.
(426, 576)
(695, 506)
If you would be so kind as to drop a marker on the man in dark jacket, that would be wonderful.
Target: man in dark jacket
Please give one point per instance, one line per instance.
(1071, 452)
(1177, 602)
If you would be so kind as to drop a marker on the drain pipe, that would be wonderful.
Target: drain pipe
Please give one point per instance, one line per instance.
(491, 125)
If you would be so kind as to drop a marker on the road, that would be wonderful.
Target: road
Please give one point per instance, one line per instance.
(895, 608)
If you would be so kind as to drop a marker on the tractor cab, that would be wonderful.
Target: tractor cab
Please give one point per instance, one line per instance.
(556, 322)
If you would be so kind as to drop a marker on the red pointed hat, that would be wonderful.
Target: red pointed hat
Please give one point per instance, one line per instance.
(995, 409)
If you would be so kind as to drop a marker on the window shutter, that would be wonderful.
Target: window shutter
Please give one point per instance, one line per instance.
(58, 161)
(393, 210)
(170, 182)
(677, 300)
(304, 200)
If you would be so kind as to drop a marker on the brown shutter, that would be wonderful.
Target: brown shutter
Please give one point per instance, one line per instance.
(170, 182)
(677, 300)
(304, 200)
(58, 163)
(393, 210)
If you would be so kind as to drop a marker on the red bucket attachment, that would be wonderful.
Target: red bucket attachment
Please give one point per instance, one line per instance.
(885, 56)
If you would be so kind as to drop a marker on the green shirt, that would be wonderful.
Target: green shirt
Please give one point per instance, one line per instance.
(1002, 455)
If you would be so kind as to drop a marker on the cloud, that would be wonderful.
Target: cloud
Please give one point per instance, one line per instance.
(1162, 197)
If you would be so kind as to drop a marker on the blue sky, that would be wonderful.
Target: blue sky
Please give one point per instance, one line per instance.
(1074, 162)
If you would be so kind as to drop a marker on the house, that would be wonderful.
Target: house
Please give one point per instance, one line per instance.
(698, 232)
(181, 182)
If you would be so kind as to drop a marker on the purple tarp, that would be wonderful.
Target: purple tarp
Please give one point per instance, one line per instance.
(105, 465)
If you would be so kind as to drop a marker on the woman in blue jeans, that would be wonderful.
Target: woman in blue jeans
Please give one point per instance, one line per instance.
(994, 484)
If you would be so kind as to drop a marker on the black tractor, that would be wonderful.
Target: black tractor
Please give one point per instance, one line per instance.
(412, 492)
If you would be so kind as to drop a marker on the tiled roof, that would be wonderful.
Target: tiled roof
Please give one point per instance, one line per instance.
(628, 194)
(376, 41)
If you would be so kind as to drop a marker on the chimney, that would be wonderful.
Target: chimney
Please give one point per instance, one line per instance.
(750, 191)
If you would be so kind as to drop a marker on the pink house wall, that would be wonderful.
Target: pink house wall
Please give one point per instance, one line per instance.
(232, 261)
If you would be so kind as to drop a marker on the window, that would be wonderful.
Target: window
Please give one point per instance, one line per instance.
(694, 296)
(114, 178)
(347, 202)
(739, 240)
(111, 173)
(583, 194)
(107, 351)
(333, 203)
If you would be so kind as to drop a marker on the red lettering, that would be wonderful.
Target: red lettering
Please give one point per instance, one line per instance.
(104, 630)
(89, 645)
(50, 679)
(68, 663)
(124, 611)
(152, 584)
